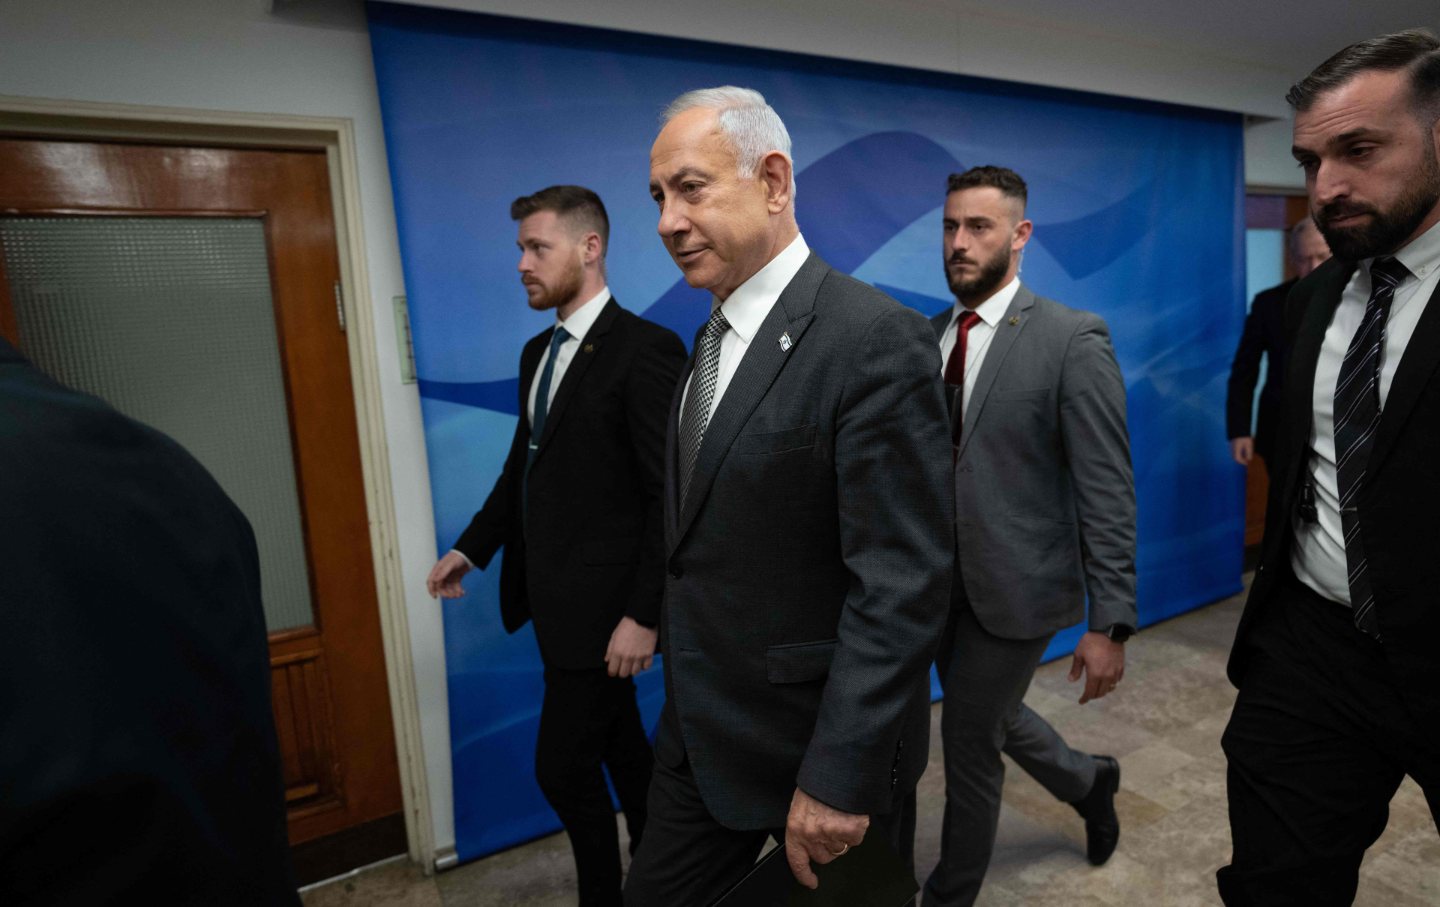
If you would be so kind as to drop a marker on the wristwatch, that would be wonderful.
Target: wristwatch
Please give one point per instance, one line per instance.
(1119, 632)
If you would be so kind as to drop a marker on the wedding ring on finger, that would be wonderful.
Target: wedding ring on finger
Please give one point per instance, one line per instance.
(844, 849)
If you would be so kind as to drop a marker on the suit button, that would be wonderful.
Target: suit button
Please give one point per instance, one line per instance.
(676, 571)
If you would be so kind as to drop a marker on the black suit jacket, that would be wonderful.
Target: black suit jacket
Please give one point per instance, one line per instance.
(1399, 501)
(138, 759)
(583, 542)
(809, 572)
(1264, 335)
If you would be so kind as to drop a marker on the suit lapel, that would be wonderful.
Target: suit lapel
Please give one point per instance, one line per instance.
(1422, 355)
(575, 371)
(1314, 321)
(529, 363)
(763, 360)
(1006, 333)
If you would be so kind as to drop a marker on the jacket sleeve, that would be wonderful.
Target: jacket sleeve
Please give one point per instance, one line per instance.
(648, 390)
(1097, 451)
(491, 526)
(893, 462)
(1244, 372)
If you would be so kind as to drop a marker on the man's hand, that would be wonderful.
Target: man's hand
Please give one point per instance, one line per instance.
(444, 578)
(1242, 450)
(820, 833)
(631, 649)
(1102, 659)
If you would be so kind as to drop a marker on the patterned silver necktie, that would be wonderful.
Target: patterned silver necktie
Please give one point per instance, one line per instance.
(697, 401)
(1357, 415)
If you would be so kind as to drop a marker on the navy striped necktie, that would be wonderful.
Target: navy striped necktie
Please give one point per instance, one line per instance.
(1357, 415)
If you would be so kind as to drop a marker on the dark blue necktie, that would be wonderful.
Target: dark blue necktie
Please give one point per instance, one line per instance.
(542, 394)
(1357, 415)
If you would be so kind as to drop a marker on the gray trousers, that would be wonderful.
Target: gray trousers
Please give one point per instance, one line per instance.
(984, 679)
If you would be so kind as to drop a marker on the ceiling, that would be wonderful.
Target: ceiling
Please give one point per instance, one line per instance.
(1238, 55)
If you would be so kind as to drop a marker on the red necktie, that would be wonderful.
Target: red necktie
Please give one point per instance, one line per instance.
(955, 369)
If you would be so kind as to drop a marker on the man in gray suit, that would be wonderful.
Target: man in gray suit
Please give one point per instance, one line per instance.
(808, 555)
(1045, 506)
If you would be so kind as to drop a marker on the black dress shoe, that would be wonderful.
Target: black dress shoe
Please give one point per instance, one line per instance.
(1102, 826)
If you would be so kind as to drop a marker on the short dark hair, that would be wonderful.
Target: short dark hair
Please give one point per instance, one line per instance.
(1415, 49)
(1003, 178)
(578, 205)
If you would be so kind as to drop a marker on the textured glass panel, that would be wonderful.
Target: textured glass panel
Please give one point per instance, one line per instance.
(171, 321)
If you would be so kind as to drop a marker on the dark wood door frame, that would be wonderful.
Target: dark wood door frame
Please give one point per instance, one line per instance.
(336, 138)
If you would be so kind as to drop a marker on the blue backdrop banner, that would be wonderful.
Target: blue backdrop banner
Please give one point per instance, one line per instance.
(1138, 212)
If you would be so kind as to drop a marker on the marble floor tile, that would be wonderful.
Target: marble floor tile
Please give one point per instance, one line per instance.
(1164, 724)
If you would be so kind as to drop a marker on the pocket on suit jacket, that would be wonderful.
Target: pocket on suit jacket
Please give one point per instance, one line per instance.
(799, 662)
(609, 551)
(777, 441)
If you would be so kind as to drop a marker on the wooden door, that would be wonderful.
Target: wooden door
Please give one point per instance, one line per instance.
(330, 698)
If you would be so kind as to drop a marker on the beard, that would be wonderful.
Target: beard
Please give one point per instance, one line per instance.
(561, 291)
(1386, 230)
(986, 280)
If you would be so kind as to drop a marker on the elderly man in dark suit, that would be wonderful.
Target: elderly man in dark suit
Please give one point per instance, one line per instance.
(1335, 653)
(1045, 521)
(808, 545)
(138, 760)
(577, 509)
(1265, 336)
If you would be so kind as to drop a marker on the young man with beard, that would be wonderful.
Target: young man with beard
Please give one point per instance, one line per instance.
(578, 510)
(1334, 656)
(1045, 517)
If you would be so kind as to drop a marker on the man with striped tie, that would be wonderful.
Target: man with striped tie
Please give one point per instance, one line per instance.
(1334, 658)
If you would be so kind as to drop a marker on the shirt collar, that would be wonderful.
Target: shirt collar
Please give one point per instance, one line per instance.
(583, 318)
(747, 307)
(992, 309)
(1421, 256)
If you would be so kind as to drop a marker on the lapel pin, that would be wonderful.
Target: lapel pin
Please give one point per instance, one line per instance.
(786, 342)
(1014, 320)
(589, 347)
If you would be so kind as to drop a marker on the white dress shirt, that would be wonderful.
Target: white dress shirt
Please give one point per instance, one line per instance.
(1318, 556)
(746, 309)
(981, 333)
(578, 324)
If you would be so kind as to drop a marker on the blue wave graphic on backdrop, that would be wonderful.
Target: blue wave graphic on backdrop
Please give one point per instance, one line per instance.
(847, 223)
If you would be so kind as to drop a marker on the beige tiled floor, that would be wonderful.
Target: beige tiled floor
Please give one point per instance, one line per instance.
(1163, 724)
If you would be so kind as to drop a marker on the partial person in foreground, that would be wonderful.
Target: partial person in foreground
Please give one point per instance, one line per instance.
(577, 510)
(138, 758)
(808, 553)
(1335, 653)
(1045, 518)
(1266, 337)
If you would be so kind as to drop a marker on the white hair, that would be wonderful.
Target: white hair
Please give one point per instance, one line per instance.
(752, 126)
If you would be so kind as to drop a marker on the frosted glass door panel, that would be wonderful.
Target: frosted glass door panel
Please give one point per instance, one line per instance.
(171, 321)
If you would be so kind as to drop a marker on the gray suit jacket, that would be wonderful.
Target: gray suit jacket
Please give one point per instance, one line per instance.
(1044, 495)
(809, 573)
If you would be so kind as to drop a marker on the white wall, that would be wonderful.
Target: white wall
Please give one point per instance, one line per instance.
(234, 55)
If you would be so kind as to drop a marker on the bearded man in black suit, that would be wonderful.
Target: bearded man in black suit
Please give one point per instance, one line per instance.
(577, 509)
(1335, 653)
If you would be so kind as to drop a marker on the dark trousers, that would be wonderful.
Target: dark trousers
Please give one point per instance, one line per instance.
(690, 859)
(1318, 742)
(590, 719)
(984, 678)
